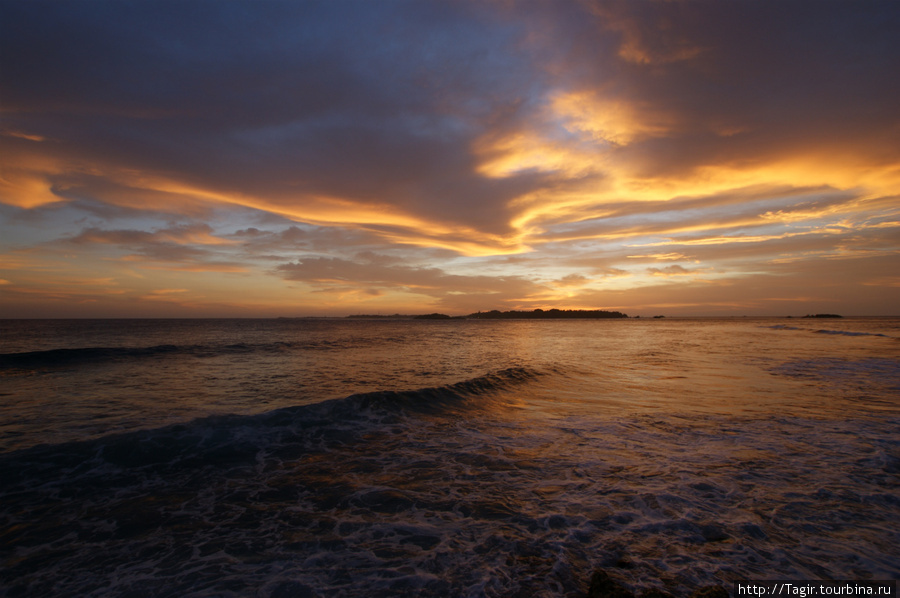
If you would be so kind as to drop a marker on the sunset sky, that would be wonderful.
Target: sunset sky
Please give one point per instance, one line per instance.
(185, 159)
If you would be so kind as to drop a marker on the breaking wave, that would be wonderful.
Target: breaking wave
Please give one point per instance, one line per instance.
(231, 439)
(69, 357)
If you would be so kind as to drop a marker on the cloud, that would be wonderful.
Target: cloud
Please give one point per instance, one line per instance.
(660, 256)
(674, 270)
(163, 294)
(278, 126)
(179, 247)
(21, 135)
(199, 234)
(452, 151)
(371, 272)
(572, 280)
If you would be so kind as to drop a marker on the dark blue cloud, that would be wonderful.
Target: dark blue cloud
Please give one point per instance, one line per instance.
(359, 99)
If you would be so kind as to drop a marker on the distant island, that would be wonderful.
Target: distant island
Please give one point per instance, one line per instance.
(537, 314)
(822, 316)
(550, 314)
(377, 316)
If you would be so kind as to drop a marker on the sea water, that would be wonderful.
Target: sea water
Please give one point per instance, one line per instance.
(345, 457)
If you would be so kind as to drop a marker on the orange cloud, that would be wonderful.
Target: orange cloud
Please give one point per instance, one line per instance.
(28, 136)
(26, 190)
(608, 120)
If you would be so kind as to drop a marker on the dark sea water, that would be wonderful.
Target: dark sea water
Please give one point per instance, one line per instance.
(299, 458)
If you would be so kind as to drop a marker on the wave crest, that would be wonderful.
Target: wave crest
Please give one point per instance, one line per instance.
(239, 439)
(70, 357)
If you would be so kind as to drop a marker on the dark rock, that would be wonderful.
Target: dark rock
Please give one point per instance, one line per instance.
(557, 522)
(603, 586)
(623, 518)
(712, 532)
(624, 563)
(709, 592)
(293, 589)
(709, 489)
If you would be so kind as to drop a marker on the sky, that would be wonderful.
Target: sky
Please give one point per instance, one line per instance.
(258, 159)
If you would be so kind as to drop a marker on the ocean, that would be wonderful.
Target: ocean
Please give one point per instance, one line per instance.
(290, 458)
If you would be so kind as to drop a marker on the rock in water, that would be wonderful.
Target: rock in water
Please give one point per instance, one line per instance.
(710, 592)
(604, 586)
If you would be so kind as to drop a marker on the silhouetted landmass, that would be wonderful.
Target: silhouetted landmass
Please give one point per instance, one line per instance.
(537, 314)
(822, 316)
(550, 314)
